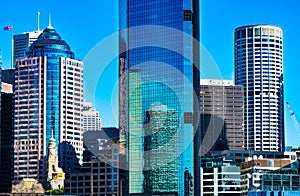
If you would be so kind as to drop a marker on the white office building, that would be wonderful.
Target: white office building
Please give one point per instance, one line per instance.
(220, 177)
(91, 118)
(259, 69)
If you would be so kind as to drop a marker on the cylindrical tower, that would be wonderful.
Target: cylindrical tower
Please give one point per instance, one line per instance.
(259, 69)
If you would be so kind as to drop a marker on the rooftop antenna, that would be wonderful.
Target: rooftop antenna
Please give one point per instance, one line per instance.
(38, 17)
(49, 19)
(49, 22)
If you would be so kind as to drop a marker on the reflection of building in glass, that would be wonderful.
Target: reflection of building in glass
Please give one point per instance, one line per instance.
(100, 175)
(220, 177)
(135, 125)
(265, 174)
(166, 75)
(259, 69)
(221, 107)
(48, 96)
(160, 149)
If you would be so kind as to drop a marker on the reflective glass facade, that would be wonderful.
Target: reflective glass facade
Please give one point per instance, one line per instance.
(159, 153)
(136, 137)
(51, 45)
(49, 96)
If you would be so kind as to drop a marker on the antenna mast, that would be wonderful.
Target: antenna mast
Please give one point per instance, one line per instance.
(38, 20)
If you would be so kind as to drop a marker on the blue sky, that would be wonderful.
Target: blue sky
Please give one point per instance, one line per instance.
(219, 18)
(83, 24)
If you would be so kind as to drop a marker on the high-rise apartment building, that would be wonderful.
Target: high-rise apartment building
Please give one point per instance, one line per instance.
(259, 69)
(158, 76)
(91, 118)
(22, 43)
(48, 99)
(221, 114)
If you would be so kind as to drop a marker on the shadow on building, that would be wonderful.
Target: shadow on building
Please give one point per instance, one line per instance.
(7, 141)
(212, 130)
(68, 160)
(99, 173)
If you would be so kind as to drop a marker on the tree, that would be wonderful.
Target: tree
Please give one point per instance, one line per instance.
(55, 192)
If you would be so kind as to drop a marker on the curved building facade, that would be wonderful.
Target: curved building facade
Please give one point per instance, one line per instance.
(259, 69)
(48, 99)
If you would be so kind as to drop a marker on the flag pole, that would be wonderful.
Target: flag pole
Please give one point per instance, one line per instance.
(12, 49)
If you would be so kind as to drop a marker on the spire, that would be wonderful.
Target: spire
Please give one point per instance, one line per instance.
(38, 20)
(52, 137)
(49, 22)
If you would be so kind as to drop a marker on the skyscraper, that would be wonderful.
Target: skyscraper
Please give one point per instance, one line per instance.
(49, 95)
(91, 118)
(156, 81)
(22, 43)
(8, 76)
(6, 137)
(259, 69)
(91, 122)
(7, 130)
(221, 105)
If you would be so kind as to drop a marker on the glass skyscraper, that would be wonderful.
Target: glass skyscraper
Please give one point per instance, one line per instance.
(48, 99)
(159, 91)
(259, 69)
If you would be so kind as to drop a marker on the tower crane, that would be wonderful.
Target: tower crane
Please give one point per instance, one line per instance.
(295, 121)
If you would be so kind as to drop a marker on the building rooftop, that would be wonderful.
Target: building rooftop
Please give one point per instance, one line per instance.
(213, 82)
(49, 40)
(257, 25)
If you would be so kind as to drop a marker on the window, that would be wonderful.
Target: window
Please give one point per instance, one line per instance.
(257, 32)
(187, 15)
(250, 32)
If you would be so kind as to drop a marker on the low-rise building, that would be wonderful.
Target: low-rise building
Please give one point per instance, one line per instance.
(100, 175)
(220, 177)
(259, 174)
(239, 156)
